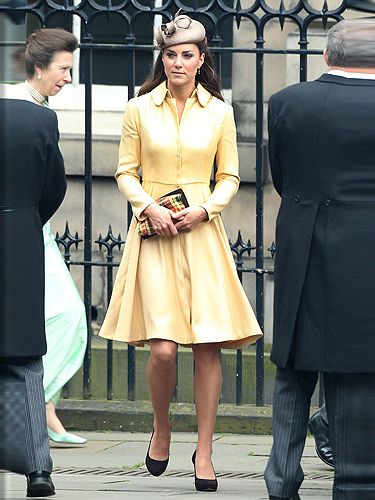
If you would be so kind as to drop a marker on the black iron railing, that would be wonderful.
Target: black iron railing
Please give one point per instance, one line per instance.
(214, 14)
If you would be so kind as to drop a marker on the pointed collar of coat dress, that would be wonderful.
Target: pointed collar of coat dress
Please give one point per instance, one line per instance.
(161, 92)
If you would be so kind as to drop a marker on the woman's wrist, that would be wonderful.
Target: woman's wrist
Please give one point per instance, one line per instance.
(205, 214)
(146, 210)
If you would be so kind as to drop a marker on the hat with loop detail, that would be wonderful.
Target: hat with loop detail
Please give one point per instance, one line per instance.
(182, 29)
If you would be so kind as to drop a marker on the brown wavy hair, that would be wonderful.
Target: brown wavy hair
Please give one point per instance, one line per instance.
(207, 77)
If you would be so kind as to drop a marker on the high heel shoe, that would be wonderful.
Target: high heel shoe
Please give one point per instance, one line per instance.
(66, 438)
(203, 484)
(155, 467)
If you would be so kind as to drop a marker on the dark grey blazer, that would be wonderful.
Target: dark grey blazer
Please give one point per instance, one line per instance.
(322, 155)
(32, 187)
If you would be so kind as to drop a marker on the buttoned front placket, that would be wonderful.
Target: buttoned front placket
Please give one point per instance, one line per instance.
(171, 101)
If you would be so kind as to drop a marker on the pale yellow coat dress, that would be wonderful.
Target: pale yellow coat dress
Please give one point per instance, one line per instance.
(182, 288)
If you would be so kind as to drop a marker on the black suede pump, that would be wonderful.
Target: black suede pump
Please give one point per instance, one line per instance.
(155, 467)
(203, 484)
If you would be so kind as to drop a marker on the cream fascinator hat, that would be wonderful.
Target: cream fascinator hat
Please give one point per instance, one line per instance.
(182, 29)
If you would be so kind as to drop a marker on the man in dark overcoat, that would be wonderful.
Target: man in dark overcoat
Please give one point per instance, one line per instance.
(322, 156)
(32, 186)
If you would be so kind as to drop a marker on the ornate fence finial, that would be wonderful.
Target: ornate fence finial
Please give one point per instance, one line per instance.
(272, 249)
(67, 240)
(239, 248)
(110, 242)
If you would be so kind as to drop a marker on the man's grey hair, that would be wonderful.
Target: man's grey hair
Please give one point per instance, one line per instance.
(351, 44)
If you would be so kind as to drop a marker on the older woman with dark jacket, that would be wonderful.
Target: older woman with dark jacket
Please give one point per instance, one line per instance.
(32, 186)
(48, 62)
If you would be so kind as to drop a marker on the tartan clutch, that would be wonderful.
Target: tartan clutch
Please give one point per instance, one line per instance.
(175, 201)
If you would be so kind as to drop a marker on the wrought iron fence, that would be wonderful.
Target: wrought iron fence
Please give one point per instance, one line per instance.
(214, 14)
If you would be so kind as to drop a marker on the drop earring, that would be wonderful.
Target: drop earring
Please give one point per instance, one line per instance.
(199, 70)
(39, 76)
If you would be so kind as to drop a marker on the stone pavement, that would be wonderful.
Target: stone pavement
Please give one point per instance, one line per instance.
(110, 467)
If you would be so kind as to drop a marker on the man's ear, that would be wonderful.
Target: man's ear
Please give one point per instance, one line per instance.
(325, 55)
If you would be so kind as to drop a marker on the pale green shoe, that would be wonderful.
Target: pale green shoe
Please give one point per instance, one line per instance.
(66, 438)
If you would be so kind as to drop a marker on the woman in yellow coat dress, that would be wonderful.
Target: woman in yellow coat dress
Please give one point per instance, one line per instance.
(180, 286)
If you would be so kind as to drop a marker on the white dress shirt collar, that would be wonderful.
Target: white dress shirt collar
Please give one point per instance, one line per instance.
(349, 74)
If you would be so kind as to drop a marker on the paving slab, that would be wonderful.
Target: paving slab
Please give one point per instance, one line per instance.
(69, 488)
(111, 466)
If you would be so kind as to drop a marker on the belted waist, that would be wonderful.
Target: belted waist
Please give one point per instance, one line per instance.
(177, 183)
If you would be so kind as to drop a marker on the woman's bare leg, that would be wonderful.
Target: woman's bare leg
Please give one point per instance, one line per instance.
(53, 421)
(161, 377)
(207, 389)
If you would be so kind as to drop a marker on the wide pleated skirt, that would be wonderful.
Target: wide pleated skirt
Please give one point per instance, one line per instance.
(183, 288)
(65, 322)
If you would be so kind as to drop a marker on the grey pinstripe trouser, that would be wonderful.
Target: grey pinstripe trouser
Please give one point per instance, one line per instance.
(24, 439)
(350, 401)
(291, 406)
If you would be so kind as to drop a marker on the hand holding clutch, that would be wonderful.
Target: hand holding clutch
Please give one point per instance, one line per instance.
(175, 201)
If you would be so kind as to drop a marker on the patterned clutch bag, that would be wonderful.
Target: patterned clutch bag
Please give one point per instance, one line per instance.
(175, 201)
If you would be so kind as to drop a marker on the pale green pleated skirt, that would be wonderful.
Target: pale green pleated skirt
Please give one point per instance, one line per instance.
(66, 329)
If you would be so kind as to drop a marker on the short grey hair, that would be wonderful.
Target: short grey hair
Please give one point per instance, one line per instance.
(351, 44)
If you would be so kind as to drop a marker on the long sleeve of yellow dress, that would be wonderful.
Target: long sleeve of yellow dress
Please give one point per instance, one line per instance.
(227, 179)
(127, 175)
